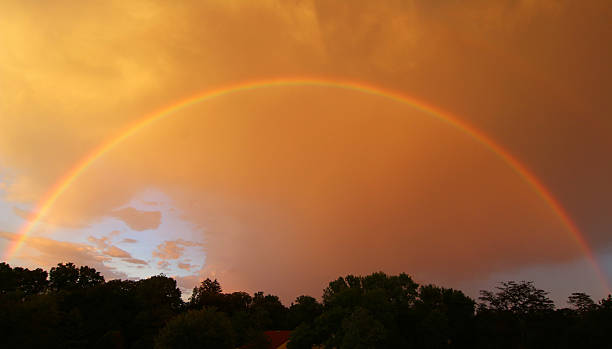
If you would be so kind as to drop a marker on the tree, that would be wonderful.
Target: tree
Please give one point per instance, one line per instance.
(159, 292)
(350, 289)
(208, 293)
(28, 281)
(445, 316)
(380, 302)
(304, 310)
(582, 302)
(208, 286)
(69, 277)
(64, 277)
(521, 298)
(204, 328)
(31, 281)
(8, 280)
(267, 312)
(236, 302)
(89, 277)
(606, 303)
(362, 330)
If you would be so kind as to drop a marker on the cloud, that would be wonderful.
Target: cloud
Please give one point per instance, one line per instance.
(185, 266)
(135, 261)
(187, 283)
(173, 249)
(138, 220)
(128, 241)
(168, 250)
(46, 253)
(101, 243)
(163, 265)
(24, 214)
(113, 251)
(291, 187)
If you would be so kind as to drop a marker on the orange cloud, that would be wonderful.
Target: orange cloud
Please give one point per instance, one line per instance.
(135, 261)
(173, 249)
(138, 220)
(106, 249)
(292, 187)
(163, 264)
(46, 253)
(22, 213)
(168, 250)
(101, 243)
(114, 251)
(185, 266)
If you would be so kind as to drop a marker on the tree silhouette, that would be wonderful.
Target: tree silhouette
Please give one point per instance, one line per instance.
(362, 331)
(304, 310)
(520, 298)
(8, 281)
(204, 328)
(64, 277)
(208, 293)
(73, 307)
(89, 277)
(582, 302)
(30, 282)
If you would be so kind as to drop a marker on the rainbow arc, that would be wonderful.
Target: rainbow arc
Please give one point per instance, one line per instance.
(52, 195)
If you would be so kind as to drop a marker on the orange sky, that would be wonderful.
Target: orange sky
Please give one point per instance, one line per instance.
(286, 188)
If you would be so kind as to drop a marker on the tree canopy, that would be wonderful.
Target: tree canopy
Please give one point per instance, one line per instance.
(74, 307)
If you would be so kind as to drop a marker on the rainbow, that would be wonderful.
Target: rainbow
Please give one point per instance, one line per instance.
(64, 182)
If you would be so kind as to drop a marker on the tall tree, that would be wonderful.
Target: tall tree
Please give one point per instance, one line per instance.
(28, 281)
(519, 298)
(304, 310)
(208, 293)
(582, 302)
(64, 277)
(8, 280)
(268, 313)
(89, 277)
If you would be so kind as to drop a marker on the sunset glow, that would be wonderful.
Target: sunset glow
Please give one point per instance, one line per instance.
(275, 145)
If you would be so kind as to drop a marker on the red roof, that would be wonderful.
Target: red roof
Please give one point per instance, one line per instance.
(277, 338)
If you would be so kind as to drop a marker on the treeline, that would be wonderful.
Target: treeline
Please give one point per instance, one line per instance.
(71, 307)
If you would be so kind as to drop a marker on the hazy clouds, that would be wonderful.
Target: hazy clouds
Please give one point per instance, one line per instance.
(292, 186)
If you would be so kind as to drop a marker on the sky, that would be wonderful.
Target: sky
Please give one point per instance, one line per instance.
(284, 188)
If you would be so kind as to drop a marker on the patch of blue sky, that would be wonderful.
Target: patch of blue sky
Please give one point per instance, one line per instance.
(172, 227)
(9, 221)
(560, 279)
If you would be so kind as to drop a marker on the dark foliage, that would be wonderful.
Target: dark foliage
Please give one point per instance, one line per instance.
(204, 328)
(73, 307)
